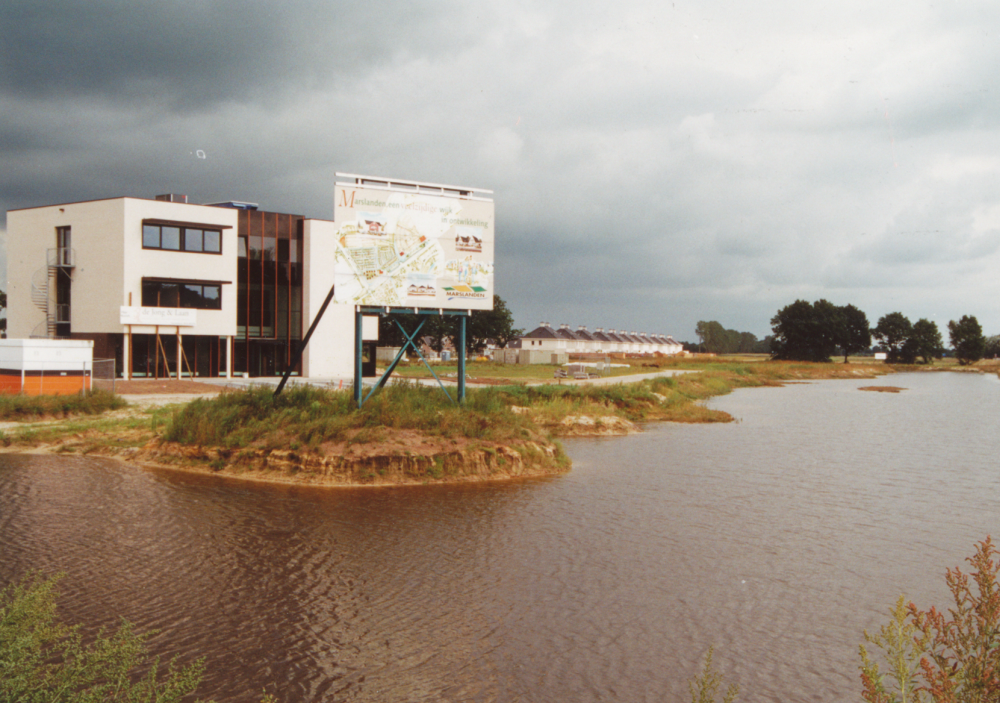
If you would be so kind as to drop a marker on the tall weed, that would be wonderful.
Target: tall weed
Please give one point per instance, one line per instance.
(945, 658)
(30, 407)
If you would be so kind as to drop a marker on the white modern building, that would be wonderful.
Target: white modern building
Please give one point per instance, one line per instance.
(169, 288)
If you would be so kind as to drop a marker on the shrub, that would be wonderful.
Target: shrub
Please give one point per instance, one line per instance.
(704, 686)
(44, 660)
(27, 407)
(953, 658)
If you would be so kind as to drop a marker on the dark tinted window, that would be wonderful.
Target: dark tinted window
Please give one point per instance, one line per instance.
(166, 294)
(213, 241)
(192, 239)
(151, 236)
(170, 238)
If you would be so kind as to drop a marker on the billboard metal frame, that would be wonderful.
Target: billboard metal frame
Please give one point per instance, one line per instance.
(411, 341)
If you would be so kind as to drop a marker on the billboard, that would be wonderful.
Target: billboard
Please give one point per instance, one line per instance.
(414, 245)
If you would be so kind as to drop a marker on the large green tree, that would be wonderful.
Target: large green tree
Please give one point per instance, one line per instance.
(893, 332)
(805, 331)
(967, 339)
(485, 325)
(712, 336)
(748, 340)
(926, 340)
(763, 346)
(992, 348)
(853, 333)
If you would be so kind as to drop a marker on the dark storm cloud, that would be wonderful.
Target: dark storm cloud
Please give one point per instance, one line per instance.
(202, 53)
(653, 163)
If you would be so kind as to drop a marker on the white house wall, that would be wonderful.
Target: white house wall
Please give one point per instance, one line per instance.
(96, 230)
(109, 264)
(139, 262)
(330, 353)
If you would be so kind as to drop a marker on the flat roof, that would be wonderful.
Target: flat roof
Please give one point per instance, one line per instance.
(120, 197)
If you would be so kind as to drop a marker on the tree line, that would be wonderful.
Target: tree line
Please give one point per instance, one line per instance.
(716, 339)
(806, 331)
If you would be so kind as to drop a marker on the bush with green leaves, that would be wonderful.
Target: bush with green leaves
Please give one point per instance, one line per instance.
(939, 657)
(45, 661)
(31, 407)
(704, 686)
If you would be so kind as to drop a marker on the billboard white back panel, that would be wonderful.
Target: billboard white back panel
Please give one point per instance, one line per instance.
(418, 248)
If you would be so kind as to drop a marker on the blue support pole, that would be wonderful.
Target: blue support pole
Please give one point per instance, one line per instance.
(411, 341)
(461, 359)
(358, 350)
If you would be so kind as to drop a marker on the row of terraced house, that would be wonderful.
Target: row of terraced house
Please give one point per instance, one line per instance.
(565, 340)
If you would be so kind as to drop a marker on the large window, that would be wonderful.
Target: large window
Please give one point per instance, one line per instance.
(181, 294)
(181, 238)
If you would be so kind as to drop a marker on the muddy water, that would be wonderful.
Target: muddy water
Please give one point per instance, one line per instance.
(777, 539)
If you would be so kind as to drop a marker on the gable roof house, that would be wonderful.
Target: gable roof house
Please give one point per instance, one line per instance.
(574, 344)
(601, 341)
(589, 343)
(543, 338)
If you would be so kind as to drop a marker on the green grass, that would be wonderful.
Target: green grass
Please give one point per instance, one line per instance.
(305, 418)
(312, 416)
(492, 370)
(308, 417)
(32, 407)
(83, 434)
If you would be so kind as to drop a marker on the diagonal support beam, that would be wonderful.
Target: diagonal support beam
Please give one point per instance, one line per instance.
(305, 340)
(410, 343)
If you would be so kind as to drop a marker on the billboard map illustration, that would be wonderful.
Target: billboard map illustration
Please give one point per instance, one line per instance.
(403, 244)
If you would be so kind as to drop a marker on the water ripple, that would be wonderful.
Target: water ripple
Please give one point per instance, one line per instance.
(777, 539)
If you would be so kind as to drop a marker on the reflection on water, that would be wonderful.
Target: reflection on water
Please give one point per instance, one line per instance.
(778, 539)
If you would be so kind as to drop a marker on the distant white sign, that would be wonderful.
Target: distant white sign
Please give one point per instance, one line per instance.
(880, 356)
(413, 245)
(172, 317)
(369, 328)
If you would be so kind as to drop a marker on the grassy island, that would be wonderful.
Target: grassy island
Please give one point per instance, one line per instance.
(406, 433)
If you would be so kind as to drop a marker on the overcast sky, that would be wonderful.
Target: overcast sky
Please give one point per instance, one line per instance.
(654, 164)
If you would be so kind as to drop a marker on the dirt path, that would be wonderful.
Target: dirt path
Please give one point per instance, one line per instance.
(154, 393)
(613, 380)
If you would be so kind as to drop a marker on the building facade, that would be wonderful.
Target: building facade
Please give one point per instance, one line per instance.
(172, 289)
(73, 267)
(268, 291)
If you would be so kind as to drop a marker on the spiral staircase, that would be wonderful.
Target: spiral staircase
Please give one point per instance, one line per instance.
(59, 261)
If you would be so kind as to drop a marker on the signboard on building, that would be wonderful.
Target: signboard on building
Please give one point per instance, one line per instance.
(415, 245)
(171, 317)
